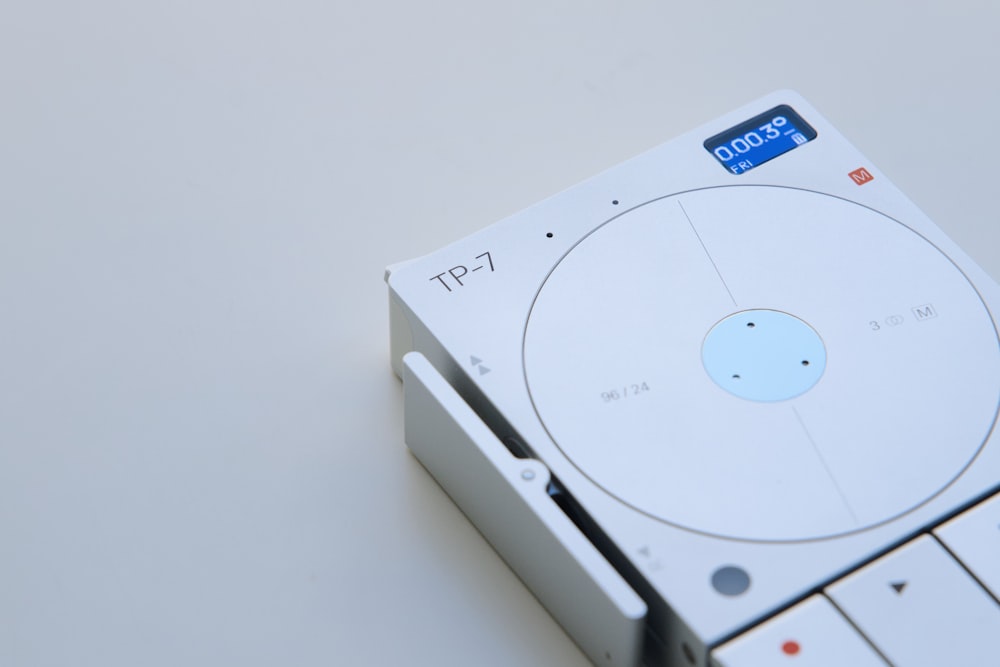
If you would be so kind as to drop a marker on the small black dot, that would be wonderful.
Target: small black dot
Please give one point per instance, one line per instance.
(549, 235)
(750, 325)
(736, 376)
(805, 362)
(615, 202)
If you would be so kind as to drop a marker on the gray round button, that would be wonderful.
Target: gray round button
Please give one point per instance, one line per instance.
(731, 580)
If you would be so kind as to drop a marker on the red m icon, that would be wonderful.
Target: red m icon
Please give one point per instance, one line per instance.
(861, 176)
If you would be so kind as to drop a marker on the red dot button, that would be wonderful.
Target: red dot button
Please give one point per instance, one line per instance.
(791, 647)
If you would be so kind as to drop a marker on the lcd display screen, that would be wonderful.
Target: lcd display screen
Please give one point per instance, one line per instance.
(753, 142)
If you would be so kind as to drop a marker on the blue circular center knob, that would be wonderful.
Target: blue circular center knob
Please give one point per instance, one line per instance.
(764, 355)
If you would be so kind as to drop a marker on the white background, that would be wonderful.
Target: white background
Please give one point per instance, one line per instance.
(201, 451)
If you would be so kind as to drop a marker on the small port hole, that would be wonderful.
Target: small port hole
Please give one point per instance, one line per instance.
(750, 325)
(549, 235)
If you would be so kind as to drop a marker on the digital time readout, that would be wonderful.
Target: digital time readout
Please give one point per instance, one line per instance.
(762, 138)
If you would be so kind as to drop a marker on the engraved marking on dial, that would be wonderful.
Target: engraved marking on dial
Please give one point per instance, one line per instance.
(826, 467)
(707, 253)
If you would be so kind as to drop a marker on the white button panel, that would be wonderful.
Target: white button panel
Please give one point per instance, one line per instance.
(811, 634)
(974, 538)
(919, 607)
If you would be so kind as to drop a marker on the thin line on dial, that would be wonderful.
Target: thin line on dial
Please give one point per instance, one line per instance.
(708, 254)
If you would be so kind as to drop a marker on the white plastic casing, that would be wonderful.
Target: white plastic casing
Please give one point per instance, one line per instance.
(598, 329)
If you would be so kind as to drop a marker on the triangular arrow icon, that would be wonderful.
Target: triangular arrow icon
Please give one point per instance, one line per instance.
(483, 370)
(475, 361)
(898, 586)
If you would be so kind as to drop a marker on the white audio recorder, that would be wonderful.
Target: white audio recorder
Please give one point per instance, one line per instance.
(732, 402)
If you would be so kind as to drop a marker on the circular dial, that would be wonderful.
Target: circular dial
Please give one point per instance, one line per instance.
(872, 386)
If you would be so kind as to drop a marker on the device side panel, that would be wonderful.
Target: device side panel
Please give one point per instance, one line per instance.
(400, 335)
(507, 500)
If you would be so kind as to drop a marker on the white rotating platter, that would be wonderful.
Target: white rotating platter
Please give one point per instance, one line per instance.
(763, 363)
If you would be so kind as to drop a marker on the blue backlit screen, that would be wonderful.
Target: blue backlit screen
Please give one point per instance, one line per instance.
(752, 143)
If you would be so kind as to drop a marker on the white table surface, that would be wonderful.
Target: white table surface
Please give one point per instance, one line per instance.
(201, 452)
